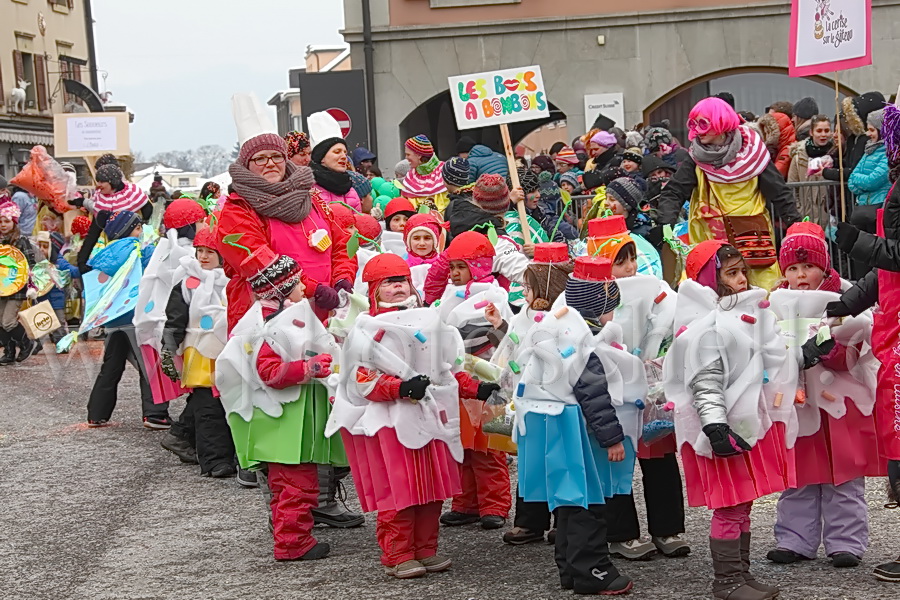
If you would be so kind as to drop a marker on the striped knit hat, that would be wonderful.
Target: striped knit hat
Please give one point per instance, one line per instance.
(491, 194)
(567, 155)
(421, 145)
(456, 171)
(591, 290)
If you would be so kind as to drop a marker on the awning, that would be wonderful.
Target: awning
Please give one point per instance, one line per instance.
(32, 138)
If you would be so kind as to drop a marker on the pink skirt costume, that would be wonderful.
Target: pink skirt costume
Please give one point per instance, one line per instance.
(744, 337)
(402, 453)
(837, 439)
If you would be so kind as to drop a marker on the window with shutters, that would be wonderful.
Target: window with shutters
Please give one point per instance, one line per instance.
(33, 69)
(61, 6)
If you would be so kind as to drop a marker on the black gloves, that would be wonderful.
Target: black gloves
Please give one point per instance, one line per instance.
(326, 298)
(724, 441)
(813, 353)
(102, 217)
(846, 236)
(486, 389)
(345, 285)
(837, 309)
(414, 388)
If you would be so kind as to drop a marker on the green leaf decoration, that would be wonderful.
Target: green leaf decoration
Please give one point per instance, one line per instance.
(492, 235)
(232, 240)
(606, 243)
(353, 245)
(423, 208)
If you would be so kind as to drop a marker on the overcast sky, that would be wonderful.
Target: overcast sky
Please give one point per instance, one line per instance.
(176, 63)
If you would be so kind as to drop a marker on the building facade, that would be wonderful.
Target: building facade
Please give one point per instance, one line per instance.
(42, 42)
(660, 59)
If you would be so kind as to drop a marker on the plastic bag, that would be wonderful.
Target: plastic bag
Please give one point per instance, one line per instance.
(818, 164)
(659, 414)
(45, 179)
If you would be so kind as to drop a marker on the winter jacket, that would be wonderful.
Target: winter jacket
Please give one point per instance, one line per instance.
(856, 149)
(177, 317)
(28, 207)
(551, 215)
(611, 158)
(112, 258)
(593, 397)
(465, 215)
(456, 199)
(681, 187)
(351, 198)
(778, 133)
(869, 180)
(484, 160)
(812, 201)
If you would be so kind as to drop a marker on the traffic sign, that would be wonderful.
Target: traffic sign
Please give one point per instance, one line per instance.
(343, 119)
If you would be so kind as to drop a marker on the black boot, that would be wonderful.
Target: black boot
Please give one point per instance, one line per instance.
(26, 344)
(331, 510)
(9, 348)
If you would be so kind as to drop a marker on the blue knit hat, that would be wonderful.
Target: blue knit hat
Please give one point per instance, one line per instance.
(361, 184)
(121, 224)
(456, 171)
(570, 178)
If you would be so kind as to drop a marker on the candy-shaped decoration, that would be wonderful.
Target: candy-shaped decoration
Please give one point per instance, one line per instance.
(514, 337)
(829, 397)
(299, 323)
(561, 312)
(617, 346)
(765, 304)
(192, 283)
(461, 294)
(681, 330)
(778, 398)
(748, 319)
(660, 298)
(567, 352)
(514, 367)
(520, 390)
(482, 304)
(420, 336)
(379, 335)
(639, 403)
(538, 317)
(800, 398)
(637, 351)
(765, 377)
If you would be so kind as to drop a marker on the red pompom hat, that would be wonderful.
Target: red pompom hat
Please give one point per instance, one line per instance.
(367, 226)
(181, 212)
(81, 225)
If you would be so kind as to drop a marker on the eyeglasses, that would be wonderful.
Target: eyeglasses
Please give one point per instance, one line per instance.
(701, 125)
(261, 161)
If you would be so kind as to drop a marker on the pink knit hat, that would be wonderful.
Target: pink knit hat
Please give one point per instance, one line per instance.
(804, 243)
(491, 194)
(263, 141)
(10, 210)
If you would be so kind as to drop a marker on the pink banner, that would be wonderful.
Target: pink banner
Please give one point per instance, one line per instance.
(829, 35)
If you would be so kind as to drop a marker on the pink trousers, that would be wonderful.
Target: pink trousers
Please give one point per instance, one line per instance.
(730, 522)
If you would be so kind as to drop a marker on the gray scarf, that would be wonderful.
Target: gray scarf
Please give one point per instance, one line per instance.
(872, 146)
(287, 200)
(715, 155)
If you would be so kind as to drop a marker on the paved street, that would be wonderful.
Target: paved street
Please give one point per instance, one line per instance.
(107, 514)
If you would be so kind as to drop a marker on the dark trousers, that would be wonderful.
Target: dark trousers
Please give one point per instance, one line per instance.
(582, 554)
(120, 348)
(664, 499)
(203, 425)
(533, 516)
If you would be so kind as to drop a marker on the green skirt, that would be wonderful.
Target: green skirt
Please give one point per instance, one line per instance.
(296, 437)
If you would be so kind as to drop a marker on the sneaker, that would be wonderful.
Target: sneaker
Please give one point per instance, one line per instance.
(492, 522)
(519, 536)
(784, 557)
(26, 349)
(98, 423)
(633, 549)
(551, 537)
(844, 560)
(454, 519)
(222, 471)
(335, 515)
(888, 571)
(180, 448)
(406, 570)
(436, 563)
(157, 422)
(247, 478)
(672, 546)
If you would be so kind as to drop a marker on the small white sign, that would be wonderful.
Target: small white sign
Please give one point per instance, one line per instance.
(611, 105)
(93, 134)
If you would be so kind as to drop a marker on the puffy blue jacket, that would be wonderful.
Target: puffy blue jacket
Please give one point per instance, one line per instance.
(112, 258)
(869, 179)
(484, 160)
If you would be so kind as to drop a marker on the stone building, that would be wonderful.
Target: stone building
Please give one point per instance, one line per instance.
(661, 59)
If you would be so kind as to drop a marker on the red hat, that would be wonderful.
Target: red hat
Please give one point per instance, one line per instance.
(181, 212)
(81, 225)
(470, 245)
(700, 255)
(424, 222)
(804, 243)
(398, 205)
(551, 252)
(367, 226)
(263, 141)
(593, 268)
(383, 266)
(206, 238)
(567, 155)
(608, 235)
(343, 215)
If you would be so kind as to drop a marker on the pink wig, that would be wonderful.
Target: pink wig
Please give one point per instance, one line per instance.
(712, 116)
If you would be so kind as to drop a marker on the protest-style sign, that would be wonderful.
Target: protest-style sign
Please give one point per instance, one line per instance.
(829, 35)
(498, 98)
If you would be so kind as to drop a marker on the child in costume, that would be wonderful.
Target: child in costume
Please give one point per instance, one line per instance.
(397, 408)
(123, 230)
(545, 280)
(576, 429)
(609, 236)
(837, 444)
(60, 274)
(196, 328)
(270, 376)
(645, 316)
(424, 238)
(397, 213)
(180, 219)
(12, 334)
(424, 183)
(485, 496)
(733, 434)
